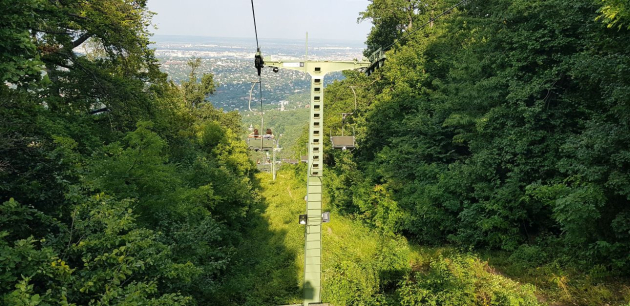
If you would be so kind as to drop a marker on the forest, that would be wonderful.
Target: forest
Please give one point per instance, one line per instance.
(503, 126)
(492, 164)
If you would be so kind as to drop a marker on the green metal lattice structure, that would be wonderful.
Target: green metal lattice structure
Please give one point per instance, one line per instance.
(313, 229)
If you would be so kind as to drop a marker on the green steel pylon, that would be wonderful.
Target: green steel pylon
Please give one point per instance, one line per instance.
(313, 228)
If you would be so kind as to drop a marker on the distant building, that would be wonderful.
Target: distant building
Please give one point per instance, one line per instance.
(283, 103)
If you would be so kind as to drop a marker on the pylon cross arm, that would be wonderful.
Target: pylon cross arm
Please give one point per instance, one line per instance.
(318, 68)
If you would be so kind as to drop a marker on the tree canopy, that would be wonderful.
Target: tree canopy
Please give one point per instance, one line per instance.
(501, 127)
(116, 186)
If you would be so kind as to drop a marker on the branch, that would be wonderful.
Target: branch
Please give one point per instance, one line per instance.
(77, 16)
(81, 40)
(98, 111)
(52, 32)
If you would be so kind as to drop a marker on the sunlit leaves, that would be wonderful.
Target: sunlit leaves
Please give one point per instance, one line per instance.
(615, 13)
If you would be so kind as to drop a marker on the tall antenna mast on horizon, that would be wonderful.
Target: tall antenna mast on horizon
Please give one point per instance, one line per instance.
(306, 55)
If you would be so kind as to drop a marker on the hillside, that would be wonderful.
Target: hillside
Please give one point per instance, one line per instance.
(365, 266)
(503, 126)
(492, 164)
(361, 266)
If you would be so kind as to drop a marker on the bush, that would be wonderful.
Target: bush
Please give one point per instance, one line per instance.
(462, 280)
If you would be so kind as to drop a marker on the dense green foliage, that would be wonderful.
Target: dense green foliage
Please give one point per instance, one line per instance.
(504, 125)
(361, 265)
(116, 187)
(267, 266)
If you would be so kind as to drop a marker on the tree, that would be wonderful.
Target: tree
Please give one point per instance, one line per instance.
(20, 61)
(391, 18)
(118, 187)
(196, 91)
(503, 125)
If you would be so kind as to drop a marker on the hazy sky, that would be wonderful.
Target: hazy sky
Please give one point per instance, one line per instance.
(322, 19)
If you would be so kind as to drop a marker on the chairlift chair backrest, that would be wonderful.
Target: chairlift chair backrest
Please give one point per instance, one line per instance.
(261, 143)
(342, 142)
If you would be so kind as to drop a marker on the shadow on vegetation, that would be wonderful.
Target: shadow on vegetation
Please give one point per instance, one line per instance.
(263, 270)
(390, 279)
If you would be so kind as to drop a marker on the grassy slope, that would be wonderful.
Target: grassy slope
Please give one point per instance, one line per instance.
(558, 285)
(266, 269)
(361, 266)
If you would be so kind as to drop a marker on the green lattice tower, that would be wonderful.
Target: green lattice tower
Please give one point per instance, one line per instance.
(313, 229)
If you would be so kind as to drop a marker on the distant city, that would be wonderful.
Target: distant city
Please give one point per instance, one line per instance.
(231, 60)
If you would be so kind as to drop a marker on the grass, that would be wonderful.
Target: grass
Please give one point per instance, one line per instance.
(266, 269)
(360, 265)
(364, 267)
(559, 285)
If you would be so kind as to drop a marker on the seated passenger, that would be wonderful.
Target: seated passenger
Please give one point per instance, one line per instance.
(254, 134)
(268, 134)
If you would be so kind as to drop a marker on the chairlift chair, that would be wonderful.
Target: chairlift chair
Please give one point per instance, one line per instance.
(264, 167)
(343, 142)
(260, 143)
(264, 142)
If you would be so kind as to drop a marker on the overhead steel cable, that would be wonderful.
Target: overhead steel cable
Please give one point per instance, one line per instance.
(259, 66)
(255, 28)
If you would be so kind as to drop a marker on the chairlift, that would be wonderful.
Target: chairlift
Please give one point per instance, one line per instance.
(289, 161)
(377, 60)
(264, 167)
(264, 163)
(258, 142)
(343, 142)
(261, 143)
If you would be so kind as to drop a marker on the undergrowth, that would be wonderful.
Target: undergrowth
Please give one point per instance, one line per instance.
(559, 283)
(360, 265)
